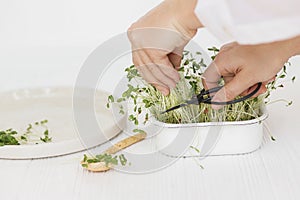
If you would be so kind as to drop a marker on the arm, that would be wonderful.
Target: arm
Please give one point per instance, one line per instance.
(250, 21)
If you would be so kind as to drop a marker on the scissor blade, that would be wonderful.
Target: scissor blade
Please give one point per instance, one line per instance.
(174, 108)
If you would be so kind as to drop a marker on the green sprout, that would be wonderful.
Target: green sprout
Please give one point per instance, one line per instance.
(149, 102)
(12, 137)
(108, 159)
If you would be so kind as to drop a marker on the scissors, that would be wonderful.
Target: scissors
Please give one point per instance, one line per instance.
(204, 97)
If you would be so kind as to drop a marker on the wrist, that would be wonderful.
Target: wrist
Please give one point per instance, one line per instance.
(292, 46)
(295, 46)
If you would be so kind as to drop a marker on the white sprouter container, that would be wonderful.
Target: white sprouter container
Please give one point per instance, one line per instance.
(211, 139)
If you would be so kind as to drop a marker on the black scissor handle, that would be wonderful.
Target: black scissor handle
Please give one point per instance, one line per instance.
(201, 97)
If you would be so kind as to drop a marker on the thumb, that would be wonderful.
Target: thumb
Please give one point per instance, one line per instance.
(232, 89)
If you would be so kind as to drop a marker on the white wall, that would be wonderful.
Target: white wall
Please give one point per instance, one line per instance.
(67, 22)
(45, 42)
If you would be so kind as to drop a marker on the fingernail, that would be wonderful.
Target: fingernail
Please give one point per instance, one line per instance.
(214, 106)
(172, 85)
(163, 90)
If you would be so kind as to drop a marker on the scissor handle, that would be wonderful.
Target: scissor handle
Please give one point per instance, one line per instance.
(201, 98)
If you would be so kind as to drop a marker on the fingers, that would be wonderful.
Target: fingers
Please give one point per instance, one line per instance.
(175, 60)
(211, 76)
(232, 89)
(158, 50)
(156, 69)
(162, 70)
(175, 57)
(261, 90)
(148, 76)
(165, 66)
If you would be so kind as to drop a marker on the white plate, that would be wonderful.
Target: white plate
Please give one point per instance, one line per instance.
(21, 107)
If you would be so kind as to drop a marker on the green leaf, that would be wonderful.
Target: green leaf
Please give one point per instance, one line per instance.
(284, 69)
(44, 121)
(46, 137)
(139, 110)
(136, 122)
(23, 138)
(282, 76)
(181, 69)
(215, 49)
(131, 117)
(29, 127)
(138, 131)
(146, 118)
(119, 100)
(186, 62)
(84, 165)
(111, 99)
(85, 158)
(273, 139)
(122, 159)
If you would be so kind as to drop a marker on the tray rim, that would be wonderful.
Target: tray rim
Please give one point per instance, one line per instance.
(259, 120)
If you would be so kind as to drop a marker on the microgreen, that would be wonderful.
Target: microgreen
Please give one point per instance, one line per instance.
(8, 137)
(108, 159)
(46, 137)
(12, 137)
(146, 101)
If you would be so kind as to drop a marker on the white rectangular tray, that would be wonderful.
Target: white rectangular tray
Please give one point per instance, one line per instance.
(213, 138)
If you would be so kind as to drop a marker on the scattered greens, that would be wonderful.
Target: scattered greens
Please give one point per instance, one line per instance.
(147, 101)
(32, 135)
(8, 137)
(108, 159)
(46, 137)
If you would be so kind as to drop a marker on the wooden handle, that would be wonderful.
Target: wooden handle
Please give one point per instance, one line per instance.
(100, 166)
(126, 143)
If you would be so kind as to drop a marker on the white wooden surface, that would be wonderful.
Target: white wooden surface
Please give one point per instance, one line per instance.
(273, 172)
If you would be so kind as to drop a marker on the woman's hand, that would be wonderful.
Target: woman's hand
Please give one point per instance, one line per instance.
(158, 40)
(243, 66)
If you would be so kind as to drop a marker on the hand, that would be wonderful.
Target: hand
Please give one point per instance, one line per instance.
(158, 40)
(243, 66)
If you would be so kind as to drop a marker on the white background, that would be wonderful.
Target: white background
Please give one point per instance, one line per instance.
(51, 39)
(45, 43)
